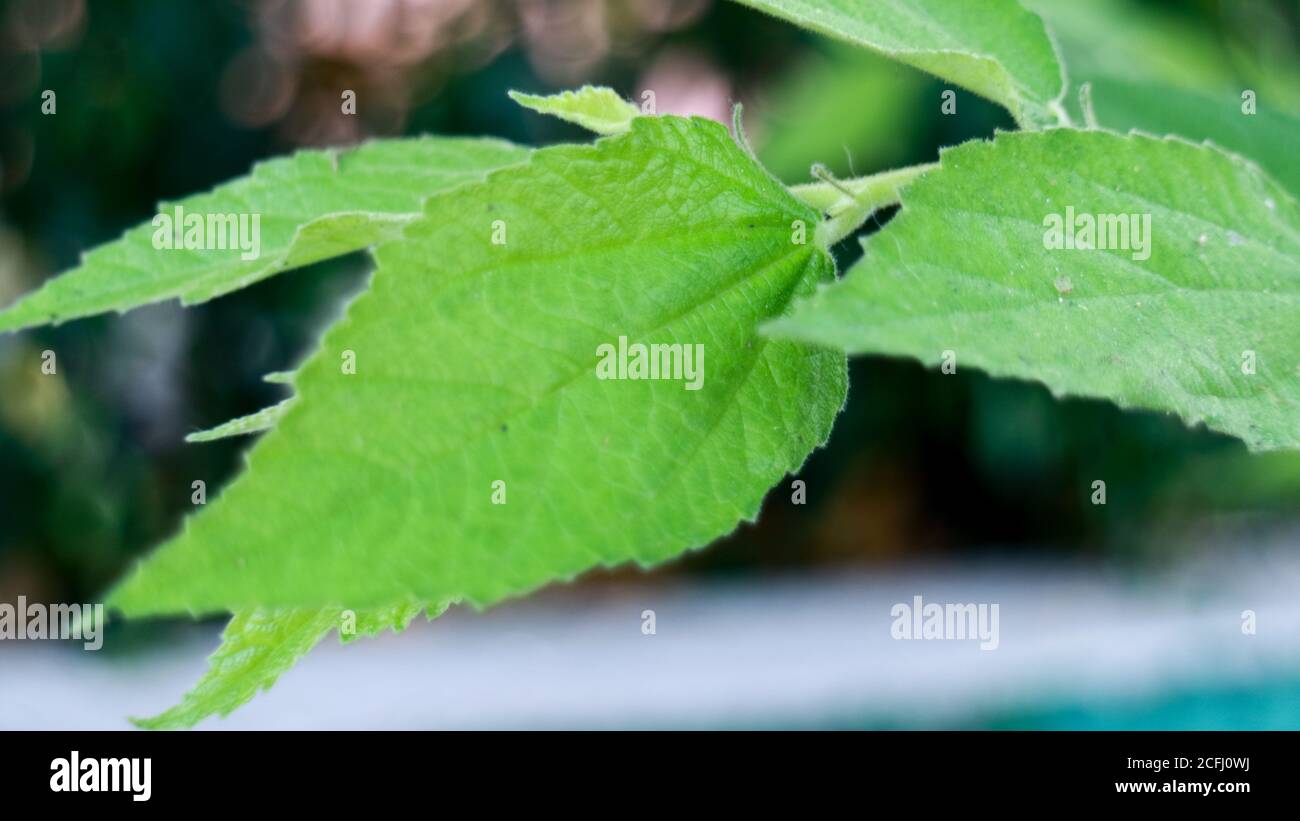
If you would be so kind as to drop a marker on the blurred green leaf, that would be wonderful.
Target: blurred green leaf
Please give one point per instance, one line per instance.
(849, 109)
(311, 206)
(1267, 137)
(1157, 72)
(994, 48)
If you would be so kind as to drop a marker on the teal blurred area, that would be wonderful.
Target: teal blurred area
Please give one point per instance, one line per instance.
(1270, 705)
(158, 99)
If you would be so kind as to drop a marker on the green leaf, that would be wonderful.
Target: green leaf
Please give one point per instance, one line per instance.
(994, 48)
(595, 108)
(261, 644)
(256, 422)
(476, 363)
(308, 207)
(965, 268)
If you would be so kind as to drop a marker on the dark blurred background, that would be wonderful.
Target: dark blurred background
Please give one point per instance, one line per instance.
(159, 99)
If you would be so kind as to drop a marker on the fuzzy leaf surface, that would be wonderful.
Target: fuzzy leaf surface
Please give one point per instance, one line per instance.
(966, 268)
(476, 350)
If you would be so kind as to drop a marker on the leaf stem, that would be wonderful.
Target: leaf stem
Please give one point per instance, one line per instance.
(848, 203)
